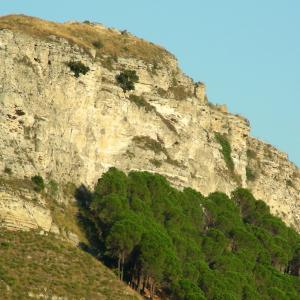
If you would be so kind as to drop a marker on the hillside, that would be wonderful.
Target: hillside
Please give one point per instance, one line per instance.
(88, 36)
(78, 100)
(35, 266)
(39, 253)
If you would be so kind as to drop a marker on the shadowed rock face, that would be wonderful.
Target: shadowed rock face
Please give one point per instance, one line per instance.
(74, 129)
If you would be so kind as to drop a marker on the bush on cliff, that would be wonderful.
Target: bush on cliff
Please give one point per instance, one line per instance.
(38, 183)
(127, 79)
(78, 68)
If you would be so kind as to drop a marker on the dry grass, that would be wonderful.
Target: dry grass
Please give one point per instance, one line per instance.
(179, 92)
(16, 183)
(44, 265)
(66, 218)
(86, 35)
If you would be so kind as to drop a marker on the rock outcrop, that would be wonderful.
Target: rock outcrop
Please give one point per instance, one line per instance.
(73, 129)
(22, 209)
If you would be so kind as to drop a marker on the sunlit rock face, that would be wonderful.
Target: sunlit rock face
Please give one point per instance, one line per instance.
(73, 129)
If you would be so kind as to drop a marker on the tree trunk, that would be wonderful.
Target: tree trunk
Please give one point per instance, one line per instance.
(122, 264)
(151, 288)
(119, 266)
(140, 283)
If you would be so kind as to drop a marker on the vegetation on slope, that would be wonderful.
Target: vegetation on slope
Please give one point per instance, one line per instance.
(78, 68)
(182, 245)
(87, 35)
(226, 150)
(126, 80)
(43, 266)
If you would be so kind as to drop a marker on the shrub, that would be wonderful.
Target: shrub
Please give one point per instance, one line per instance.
(78, 68)
(156, 162)
(251, 154)
(141, 102)
(226, 150)
(53, 188)
(98, 44)
(7, 170)
(179, 92)
(126, 80)
(124, 32)
(19, 112)
(38, 183)
(107, 63)
(289, 183)
(161, 92)
(250, 174)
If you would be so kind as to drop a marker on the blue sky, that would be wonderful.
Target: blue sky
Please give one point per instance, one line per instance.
(247, 52)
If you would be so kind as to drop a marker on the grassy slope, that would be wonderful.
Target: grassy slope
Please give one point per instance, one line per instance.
(39, 264)
(85, 35)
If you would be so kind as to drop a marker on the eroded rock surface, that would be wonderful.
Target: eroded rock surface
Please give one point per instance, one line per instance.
(73, 129)
(23, 209)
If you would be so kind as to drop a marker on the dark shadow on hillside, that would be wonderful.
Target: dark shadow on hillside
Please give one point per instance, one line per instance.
(83, 198)
(85, 217)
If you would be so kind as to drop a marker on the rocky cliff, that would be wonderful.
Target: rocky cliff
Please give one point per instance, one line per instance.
(72, 129)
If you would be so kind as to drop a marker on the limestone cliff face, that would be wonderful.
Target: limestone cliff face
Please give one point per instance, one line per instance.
(73, 129)
(21, 209)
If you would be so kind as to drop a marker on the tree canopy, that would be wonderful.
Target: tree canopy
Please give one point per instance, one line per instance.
(183, 245)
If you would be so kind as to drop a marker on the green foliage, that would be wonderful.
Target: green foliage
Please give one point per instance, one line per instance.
(127, 79)
(8, 170)
(38, 183)
(251, 154)
(112, 182)
(214, 244)
(98, 44)
(277, 294)
(78, 68)
(187, 290)
(188, 246)
(226, 150)
(250, 174)
(53, 188)
(109, 208)
(246, 202)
